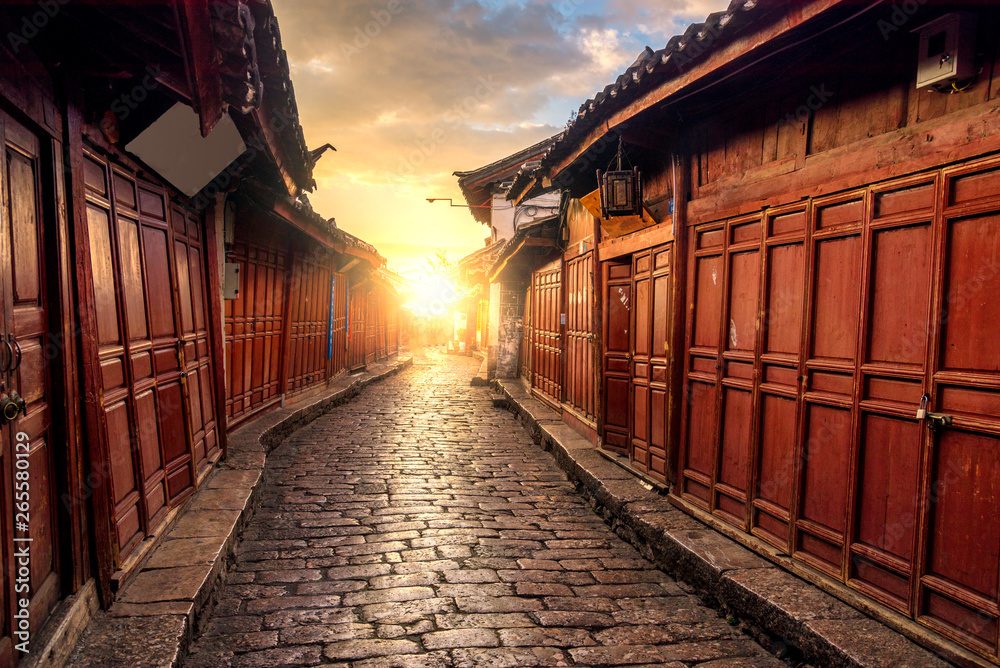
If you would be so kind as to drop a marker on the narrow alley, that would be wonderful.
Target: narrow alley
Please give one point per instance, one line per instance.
(417, 525)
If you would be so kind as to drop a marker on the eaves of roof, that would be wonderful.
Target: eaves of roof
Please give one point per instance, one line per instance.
(480, 255)
(656, 75)
(520, 240)
(280, 120)
(477, 185)
(303, 217)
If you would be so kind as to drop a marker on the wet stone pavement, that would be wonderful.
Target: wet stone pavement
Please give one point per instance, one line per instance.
(417, 525)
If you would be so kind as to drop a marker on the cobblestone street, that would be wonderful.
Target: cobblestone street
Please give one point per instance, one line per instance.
(417, 525)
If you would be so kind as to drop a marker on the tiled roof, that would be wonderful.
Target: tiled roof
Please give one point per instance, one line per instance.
(477, 184)
(651, 67)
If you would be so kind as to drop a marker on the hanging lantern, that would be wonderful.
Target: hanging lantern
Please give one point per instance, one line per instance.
(620, 190)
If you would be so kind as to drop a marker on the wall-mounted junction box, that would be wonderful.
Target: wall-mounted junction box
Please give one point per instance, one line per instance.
(231, 288)
(947, 51)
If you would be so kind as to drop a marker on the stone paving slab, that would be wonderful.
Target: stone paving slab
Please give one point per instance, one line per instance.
(150, 623)
(827, 631)
(420, 526)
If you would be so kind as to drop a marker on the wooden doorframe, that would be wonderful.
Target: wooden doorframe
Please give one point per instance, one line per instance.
(98, 478)
(53, 340)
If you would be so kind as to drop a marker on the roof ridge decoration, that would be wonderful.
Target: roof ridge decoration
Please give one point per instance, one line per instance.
(233, 28)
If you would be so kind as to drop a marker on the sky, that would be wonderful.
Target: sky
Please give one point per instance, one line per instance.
(410, 91)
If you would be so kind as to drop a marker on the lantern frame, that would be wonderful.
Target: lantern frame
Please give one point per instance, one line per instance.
(621, 193)
(620, 190)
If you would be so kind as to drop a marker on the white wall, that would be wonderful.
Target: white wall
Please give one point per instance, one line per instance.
(503, 218)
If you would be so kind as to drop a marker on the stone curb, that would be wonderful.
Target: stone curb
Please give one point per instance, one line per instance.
(785, 608)
(480, 379)
(152, 620)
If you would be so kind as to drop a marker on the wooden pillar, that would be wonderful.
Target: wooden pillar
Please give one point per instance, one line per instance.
(680, 172)
(215, 256)
(67, 381)
(98, 477)
(597, 283)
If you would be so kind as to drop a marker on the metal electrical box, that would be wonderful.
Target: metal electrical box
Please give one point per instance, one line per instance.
(947, 51)
(231, 290)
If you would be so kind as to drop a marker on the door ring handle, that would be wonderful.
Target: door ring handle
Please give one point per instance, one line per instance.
(10, 355)
(17, 349)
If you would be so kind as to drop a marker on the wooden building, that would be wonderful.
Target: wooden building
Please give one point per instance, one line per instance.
(473, 295)
(797, 335)
(128, 349)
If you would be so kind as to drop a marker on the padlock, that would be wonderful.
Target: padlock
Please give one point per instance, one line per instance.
(922, 411)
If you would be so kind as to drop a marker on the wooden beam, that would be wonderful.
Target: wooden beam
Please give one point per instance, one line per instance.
(201, 61)
(958, 136)
(647, 238)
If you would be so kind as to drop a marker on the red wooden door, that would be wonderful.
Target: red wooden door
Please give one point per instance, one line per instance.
(254, 329)
(547, 333)
(526, 336)
(150, 312)
(158, 413)
(617, 354)
(392, 325)
(308, 323)
(371, 326)
(703, 363)
(958, 589)
(640, 369)
(580, 340)
(776, 362)
(651, 316)
(28, 517)
(381, 312)
(337, 348)
(356, 330)
(828, 427)
(801, 420)
(194, 341)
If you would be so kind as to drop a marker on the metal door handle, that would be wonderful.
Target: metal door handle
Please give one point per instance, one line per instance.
(17, 349)
(11, 406)
(10, 355)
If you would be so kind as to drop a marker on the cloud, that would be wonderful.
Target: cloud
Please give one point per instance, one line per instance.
(410, 91)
